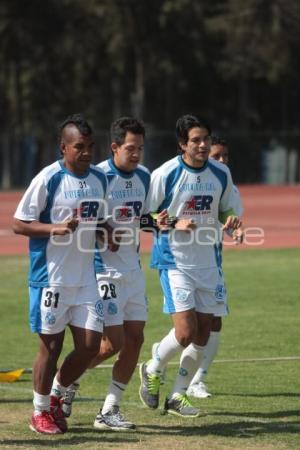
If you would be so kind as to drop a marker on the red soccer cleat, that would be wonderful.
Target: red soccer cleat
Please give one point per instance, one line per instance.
(44, 423)
(57, 414)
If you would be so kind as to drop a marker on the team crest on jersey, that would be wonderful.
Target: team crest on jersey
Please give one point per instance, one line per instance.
(198, 204)
(99, 308)
(112, 309)
(220, 292)
(50, 318)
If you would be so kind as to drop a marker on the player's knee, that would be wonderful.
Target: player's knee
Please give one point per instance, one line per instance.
(216, 324)
(110, 347)
(51, 353)
(91, 351)
(50, 358)
(185, 337)
(108, 352)
(186, 332)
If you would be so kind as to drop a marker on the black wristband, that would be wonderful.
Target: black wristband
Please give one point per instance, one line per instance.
(173, 221)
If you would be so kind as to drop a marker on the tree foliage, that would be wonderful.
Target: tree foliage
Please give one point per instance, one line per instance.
(233, 61)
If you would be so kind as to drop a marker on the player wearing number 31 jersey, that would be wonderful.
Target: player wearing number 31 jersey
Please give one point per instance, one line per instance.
(54, 196)
(59, 213)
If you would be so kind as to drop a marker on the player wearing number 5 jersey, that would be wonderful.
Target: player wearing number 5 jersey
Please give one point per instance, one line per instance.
(197, 191)
(59, 212)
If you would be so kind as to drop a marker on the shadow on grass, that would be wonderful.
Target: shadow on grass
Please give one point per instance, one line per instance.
(240, 429)
(277, 394)
(15, 400)
(256, 415)
(29, 400)
(54, 441)
(81, 435)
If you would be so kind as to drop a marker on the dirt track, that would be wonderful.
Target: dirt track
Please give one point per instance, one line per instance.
(273, 209)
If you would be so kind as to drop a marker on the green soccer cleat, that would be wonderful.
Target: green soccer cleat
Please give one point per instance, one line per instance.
(149, 389)
(181, 406)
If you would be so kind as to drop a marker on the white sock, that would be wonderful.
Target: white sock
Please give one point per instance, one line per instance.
(58, 390)
(40, 403)
(189, 362)
(114, 395)
(210, 351)
(167, 348)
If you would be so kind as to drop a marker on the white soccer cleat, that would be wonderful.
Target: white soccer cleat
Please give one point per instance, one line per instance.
(113, 420)
(68, 398)
(198, 390)
(163, 375)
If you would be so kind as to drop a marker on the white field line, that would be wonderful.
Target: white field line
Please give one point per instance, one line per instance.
(217, 361)
(221, 361)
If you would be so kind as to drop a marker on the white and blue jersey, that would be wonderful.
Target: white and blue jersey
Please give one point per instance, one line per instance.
(54, 196)
(127, 199)
(236, 201)
(199, 194)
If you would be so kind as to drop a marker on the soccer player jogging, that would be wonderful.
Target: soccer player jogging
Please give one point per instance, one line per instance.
(120, 278)
(59, 212)
(219, 151)
(197, 191)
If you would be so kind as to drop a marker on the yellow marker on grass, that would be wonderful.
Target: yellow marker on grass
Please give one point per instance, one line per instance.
(11, 375)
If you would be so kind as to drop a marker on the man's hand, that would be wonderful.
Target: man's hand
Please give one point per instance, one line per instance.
(233, 223)
(114, 240)
(238, 235)
(185, 225)
(233, 228)
(109, 236)
(61, 229)
(163, 220)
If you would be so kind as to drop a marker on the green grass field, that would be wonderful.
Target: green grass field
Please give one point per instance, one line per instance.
(255, 404)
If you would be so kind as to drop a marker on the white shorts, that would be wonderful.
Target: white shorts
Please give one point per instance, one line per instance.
(123, 297)
(53, 308)
(203, 290)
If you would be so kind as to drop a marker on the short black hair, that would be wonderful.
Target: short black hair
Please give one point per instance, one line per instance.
(185, 123)
(123, 125)
(79, 121)
(218, 140)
